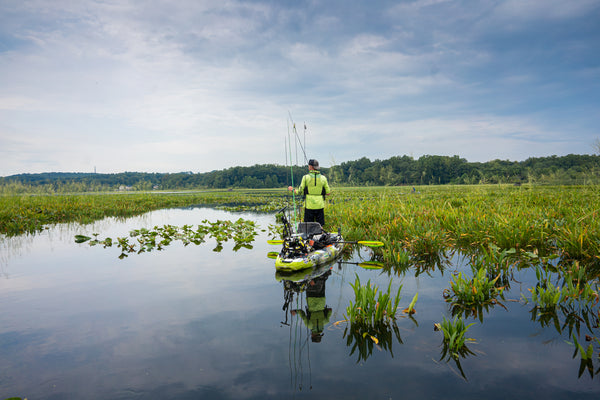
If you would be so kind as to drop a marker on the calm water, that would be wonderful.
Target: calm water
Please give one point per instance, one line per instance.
(189, 323)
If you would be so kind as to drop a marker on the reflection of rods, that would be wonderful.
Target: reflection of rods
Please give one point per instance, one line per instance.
(297, 343)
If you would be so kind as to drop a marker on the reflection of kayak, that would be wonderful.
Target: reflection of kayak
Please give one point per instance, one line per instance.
(309, 247)
(302, 276)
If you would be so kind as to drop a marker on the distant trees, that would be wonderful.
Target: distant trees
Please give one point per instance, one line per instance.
(397, 170)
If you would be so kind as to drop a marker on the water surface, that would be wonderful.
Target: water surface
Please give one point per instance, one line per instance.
(76, 322)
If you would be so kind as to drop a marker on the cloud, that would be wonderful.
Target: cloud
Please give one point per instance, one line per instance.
(101, 76)
(547, 10)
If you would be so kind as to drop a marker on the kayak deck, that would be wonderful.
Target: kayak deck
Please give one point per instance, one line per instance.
(288, 261)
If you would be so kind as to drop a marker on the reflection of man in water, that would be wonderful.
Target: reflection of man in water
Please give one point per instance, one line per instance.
(317, 313)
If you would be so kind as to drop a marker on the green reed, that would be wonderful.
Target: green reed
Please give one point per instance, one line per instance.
(372, 318)
(372, 305)
(470, 295)
(576, 288)
(455, 341)
(557, 220)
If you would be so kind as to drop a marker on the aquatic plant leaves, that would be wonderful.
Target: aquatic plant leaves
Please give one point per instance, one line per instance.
(81, 238)
(242, 232)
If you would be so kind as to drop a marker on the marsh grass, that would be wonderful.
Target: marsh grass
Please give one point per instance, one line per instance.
(554, 229)
(418, 228)
(33, 213)
(372, 318)
(454, 342)
(545, 221)
(573, 287)
(371, 305)
(471, 295)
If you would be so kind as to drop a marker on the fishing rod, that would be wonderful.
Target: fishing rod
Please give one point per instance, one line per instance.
(297, 140)
(289, 144)
(297, 143)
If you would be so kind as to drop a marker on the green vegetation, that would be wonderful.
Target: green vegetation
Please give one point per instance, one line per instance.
(241, 231)
(399, 170)
(418, 229)
(471, 295)
(498, 229)
(576, 288)
(368, 309)
(372, 318)
(454, 343)
(32, 213)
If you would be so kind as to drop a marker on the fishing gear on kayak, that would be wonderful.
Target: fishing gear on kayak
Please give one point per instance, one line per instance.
(306, 245)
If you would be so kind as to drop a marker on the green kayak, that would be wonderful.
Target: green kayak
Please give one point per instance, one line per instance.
(309, 247)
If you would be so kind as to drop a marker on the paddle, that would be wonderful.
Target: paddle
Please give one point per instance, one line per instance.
(365, 264)
(370, 243)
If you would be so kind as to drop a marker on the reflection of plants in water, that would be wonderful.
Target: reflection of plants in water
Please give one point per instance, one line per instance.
(575, 289)
(364, 338)
(470, 296)
(454, 342)
(586, 356)
(241, 231)
(372, 317)
(569, 304)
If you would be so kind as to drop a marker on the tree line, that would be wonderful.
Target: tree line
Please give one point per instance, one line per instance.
(398, 170)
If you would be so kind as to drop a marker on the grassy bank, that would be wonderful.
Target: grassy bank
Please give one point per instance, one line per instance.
(31, 213)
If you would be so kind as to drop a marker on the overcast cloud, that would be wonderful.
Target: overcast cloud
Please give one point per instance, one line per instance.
(168, 86)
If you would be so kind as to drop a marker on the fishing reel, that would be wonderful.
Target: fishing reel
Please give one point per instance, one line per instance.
(295, 246)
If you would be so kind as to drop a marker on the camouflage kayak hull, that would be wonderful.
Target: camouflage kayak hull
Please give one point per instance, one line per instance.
(309, 260)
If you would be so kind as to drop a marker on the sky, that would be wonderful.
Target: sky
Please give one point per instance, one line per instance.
(193, 85)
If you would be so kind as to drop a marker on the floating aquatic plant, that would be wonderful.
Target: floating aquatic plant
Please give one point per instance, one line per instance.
(243, 233)
(571, 302)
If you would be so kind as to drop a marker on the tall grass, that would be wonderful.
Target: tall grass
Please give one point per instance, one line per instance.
(372, 305)
(470, 295)
(562, 221)
(372, 317)
(32, 213)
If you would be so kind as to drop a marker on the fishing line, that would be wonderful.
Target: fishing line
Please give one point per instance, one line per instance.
(285, 146)
(308, 335)
(292, 177)
(297, 140)
(296, 144)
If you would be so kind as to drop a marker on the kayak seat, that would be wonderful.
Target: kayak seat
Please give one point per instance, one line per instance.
(308, 229)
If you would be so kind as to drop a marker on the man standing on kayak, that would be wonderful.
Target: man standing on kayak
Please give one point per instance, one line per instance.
(315, 187)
